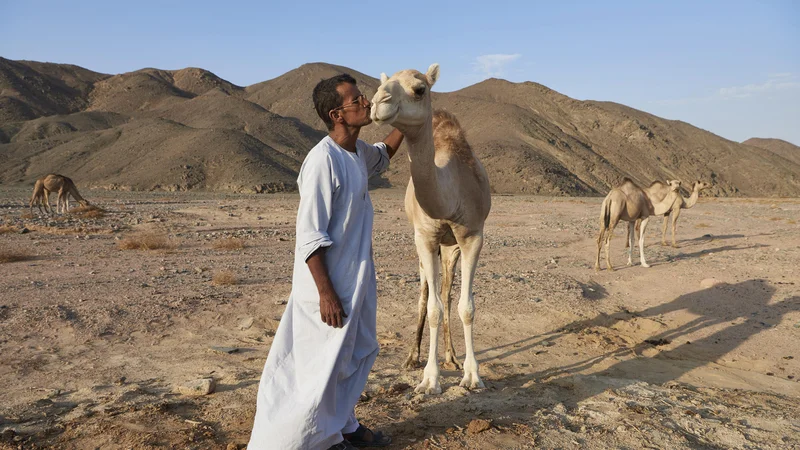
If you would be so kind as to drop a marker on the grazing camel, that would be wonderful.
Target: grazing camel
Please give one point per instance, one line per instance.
(50, 183)
(447, 202)
(658, 190)
(630, 203)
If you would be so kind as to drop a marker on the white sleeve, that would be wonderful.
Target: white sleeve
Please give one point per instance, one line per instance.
(317, 183)
(376, 157)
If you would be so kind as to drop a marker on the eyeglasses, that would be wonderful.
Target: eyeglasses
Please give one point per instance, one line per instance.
(361, 100)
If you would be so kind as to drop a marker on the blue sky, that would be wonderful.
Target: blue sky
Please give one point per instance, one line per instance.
(729, 67)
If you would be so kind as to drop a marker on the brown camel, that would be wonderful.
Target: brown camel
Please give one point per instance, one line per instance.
(447, 202)
(630, 203)
(50, 183)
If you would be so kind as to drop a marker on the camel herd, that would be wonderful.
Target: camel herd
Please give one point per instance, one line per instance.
(447, 201)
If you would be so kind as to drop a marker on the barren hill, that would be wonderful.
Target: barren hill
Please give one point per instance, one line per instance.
(32, 89)
(189, 129)
(779, 147)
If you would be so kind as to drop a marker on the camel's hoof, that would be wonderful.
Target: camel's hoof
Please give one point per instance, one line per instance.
(645, 265)
(610, 269)
(471, 380)
(429, 385)
(411, 363)
(630, 263)
(663, 244)
(675, 246)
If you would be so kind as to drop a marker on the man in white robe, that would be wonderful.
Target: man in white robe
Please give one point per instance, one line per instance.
(326, 342)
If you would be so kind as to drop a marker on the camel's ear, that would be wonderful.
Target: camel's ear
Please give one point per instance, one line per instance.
(384, 78)
(433, 74)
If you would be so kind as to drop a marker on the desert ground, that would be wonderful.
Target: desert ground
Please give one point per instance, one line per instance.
(698, 351)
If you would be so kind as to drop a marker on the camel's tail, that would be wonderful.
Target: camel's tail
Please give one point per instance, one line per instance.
(605, 210)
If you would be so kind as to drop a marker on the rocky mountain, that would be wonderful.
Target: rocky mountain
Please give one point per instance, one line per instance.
(189, 129)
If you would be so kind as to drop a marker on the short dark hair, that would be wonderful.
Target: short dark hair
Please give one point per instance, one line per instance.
(326, 97)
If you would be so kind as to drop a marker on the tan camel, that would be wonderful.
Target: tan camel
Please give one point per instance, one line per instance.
(658, 191)
(630, 203)
(50, 183)
(447, 202)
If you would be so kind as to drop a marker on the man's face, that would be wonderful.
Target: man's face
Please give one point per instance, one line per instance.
(355, 107)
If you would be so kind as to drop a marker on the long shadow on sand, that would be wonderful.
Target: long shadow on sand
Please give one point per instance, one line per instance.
(737, 312)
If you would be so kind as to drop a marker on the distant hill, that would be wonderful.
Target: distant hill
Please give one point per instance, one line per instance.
(779, 147)
(189, 129)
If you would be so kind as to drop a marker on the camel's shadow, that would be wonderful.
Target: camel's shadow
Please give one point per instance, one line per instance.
(742, 310)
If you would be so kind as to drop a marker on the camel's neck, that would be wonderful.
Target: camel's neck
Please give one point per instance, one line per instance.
(424, 173)
(74, 191)
(665, 205)
(692, 200)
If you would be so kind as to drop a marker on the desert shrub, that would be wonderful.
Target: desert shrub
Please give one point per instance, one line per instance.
(228, 244)
(224, 278)
(7, 256)
(147, 241)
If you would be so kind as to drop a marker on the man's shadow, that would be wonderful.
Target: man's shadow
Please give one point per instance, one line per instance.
(736, 312)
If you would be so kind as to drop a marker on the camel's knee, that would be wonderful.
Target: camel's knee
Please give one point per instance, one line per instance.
(434, 314)
(466, 310)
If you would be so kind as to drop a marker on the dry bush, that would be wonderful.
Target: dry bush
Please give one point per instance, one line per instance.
(88, 212)
(224, 278)
(228, 244)
(7, 229)
(26, 216)
(7, 256)
(149, 241)
(775, 218)
(791, 222)
(702, 225)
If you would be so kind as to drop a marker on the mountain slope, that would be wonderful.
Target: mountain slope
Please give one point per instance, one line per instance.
(189, 129)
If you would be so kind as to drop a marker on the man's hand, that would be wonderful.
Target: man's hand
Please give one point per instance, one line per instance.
(330, 307)
(330, 310)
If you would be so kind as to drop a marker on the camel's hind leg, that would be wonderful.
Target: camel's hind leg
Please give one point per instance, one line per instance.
(629, 242)
(609, 235)
(450, 256)
(471, 250)
(428, 251)
(599, 247)
(422, 306)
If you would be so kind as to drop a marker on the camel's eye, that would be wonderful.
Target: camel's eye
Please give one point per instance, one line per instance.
(420, 91)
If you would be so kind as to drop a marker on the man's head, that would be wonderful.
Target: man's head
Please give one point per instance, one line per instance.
(338, 100)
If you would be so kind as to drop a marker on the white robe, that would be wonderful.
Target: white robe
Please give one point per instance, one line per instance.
(314, 374)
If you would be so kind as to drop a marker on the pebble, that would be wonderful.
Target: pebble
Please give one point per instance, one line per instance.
(203, 386)
(246, 323)
(478, 426)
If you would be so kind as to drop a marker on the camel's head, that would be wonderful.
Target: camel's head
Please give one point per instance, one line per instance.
(674, 185)
(404, 100)
(700, 185)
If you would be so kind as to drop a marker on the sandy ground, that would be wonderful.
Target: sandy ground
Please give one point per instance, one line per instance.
(95, 339)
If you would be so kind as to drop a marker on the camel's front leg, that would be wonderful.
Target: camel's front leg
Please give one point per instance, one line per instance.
(471, 250)
(428, 252)
(412, 361)
(675, 216)
(641, 242)
(664, 229)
